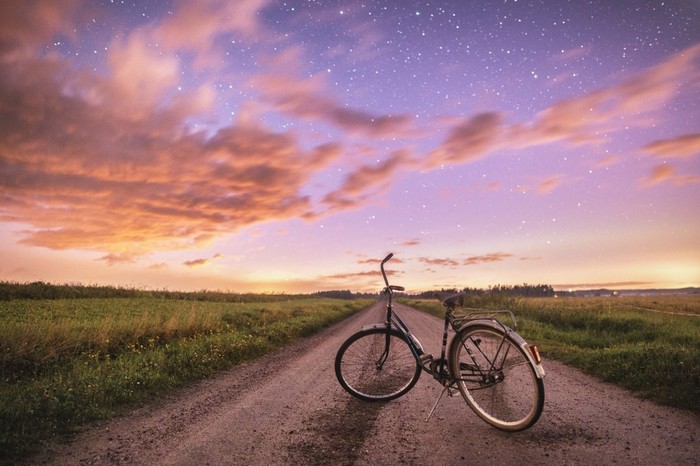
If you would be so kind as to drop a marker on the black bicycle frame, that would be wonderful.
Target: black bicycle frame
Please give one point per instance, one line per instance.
(394, 321)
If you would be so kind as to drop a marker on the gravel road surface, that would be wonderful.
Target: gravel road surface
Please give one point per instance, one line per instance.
(288, 408)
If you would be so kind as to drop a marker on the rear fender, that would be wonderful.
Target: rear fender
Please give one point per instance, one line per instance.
(520, 341)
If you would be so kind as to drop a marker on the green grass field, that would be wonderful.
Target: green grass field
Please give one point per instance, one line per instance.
(66, 362)
(647, 344)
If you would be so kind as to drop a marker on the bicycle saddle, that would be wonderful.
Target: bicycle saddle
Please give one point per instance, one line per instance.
(450, 299)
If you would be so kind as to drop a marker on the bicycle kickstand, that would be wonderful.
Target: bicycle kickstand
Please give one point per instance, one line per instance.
(447, 387)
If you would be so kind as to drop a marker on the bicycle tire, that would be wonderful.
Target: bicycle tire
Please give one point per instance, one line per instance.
(357, 370)
(496, 378)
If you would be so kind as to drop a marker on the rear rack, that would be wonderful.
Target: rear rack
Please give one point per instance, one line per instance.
(474, 314)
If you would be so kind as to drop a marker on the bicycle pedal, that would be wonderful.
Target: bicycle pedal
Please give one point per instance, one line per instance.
(425, 358)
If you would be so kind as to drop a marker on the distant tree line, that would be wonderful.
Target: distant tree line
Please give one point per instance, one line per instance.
(343, 294)
(43, 290)
(524, 290)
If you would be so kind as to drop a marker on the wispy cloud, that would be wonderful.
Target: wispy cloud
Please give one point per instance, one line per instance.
(411, 242)
(668, 173)
(487, 258)
(581, 120)
(304, 99)
(113, 259)
(468, 140)
(471, 260)
(684, 146)
(550, 183)
(543, 185)
(110, 161)
(593, 286)
(366, 180)
(202, 261)
(442, 262)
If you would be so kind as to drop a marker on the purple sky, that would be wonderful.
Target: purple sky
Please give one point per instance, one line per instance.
(260, 145)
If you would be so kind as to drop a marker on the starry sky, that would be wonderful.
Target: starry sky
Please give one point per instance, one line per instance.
(287, 146)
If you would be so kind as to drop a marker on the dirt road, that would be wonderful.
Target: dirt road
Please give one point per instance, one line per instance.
(288, 408)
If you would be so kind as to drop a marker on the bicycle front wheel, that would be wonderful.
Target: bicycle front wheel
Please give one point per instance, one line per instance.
(376, 365)
(496, 378)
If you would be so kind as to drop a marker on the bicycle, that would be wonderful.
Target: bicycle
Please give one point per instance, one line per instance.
(497, 372)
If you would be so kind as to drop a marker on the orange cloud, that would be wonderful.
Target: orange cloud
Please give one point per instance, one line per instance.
(580, 120)
(473, 260)
(345, 276)
(195, 25)
(93, 177)
(588, 286)
(468, 140)
(687, 145)
(549, 184)
(411, 242)
(113, 259)
(365, 179)
(201, 262)
(439, 261)
(110, 162)
(606, 161)
(24, 25)
(667, 173)
(492, 257)
(303, 99)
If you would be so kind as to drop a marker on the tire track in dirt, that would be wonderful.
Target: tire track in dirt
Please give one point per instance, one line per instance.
(335, 435)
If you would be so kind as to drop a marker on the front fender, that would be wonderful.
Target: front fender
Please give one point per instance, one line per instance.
(378, 325)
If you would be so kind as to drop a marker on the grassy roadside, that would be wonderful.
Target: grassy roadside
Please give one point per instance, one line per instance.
(67, 362)
(643, 343)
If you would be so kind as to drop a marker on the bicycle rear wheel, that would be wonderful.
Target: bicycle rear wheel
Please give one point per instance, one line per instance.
(374, 365)
(496, 378)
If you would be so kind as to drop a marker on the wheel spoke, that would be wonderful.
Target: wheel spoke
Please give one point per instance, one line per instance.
(496, 378)
(369, 370)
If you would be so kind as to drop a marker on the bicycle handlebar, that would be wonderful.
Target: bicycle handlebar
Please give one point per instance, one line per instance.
(386, 280)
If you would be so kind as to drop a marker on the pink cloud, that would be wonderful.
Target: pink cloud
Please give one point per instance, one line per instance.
(366, 179)
(439, 261)
(97, 177)
(580, 120)
(549, 184)
(109, 161)
(573, 53)
(304, 99)
(607, 161)
(667, 173)
(202, 28)
(113, 259)
(202, 261)
(24, 25)
(687, 145)
(411, 242)
(468, 140)
(492, 257)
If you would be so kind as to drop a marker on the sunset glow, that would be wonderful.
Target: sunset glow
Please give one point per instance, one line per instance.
(258, 145)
